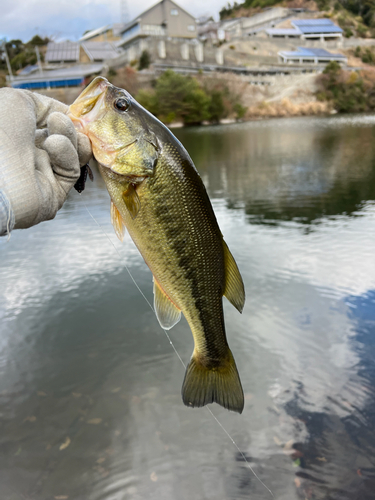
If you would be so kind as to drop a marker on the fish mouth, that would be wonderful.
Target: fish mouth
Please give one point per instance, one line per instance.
(80, 111)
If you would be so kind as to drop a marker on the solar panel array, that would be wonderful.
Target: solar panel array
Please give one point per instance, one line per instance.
(62, 52)
(319, 53)
(99, 51)
(313, 22)
(311, 26)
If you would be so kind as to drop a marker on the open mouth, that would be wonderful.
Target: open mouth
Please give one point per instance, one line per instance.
(80, 112)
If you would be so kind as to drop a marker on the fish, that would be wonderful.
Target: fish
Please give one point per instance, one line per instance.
(158, 196)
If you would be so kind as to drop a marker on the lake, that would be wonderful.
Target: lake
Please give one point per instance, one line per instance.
(90, 404)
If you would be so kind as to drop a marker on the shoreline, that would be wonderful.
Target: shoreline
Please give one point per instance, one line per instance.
(324, 111)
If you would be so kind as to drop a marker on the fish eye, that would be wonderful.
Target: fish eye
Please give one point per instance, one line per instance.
(121, 104)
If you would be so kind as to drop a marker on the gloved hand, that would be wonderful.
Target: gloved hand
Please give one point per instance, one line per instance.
(40, 157)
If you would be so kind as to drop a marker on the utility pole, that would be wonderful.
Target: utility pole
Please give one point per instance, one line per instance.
(7, 61)
(124, 11)
(38, 59)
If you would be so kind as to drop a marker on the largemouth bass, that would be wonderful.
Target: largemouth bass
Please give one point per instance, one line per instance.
(158, 195)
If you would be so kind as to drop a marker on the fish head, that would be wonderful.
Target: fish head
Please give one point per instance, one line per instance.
(118, 128)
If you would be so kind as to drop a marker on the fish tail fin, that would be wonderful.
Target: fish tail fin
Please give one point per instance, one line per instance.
(205, 383)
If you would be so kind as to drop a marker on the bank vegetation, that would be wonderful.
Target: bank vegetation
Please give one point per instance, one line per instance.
(191, 100)
(347, 91)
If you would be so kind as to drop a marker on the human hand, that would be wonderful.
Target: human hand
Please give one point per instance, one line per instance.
(40, 157)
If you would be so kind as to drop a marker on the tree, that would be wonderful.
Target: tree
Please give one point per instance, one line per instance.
(37, 40)
(182, 96)
(144, 60)
(216, 107)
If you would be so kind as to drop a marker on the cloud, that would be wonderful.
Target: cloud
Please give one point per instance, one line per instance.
(68, 20)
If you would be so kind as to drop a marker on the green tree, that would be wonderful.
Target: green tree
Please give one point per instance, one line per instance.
(178, 97)
(37, 40)
(148, 100)
(144, 60)
(182, 96)
(347, 90)
(216, 107)
(22, 54)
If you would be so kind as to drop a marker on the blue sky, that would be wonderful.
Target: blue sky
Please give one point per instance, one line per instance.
(67, 19)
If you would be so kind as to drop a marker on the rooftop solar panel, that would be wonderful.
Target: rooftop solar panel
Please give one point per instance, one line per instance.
(303, 52)
(64, 51)
(313, 22)
(311, 26)
(320, 29)
(100, 51)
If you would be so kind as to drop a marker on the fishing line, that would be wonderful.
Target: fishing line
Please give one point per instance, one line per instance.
(179, 357)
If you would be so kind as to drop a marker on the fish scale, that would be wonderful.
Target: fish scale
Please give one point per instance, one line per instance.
(160, 198)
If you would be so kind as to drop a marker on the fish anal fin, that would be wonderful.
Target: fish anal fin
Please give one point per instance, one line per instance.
(204, 384)
(234, 289)
(117, 222)
(166, 312)
(132, 201)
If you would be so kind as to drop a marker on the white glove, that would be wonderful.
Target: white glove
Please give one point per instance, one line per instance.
(40, 157)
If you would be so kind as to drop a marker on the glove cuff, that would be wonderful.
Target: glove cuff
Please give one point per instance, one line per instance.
(7, 219)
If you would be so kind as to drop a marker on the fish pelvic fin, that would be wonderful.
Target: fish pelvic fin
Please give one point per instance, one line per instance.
(204, 384)
(132, 201)
(117, 222)
(234, 289)
(167, 313)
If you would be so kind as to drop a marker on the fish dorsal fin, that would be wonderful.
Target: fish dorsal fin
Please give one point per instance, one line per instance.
(117, 222)
(132, 201)
(166, 312)
(234, 289)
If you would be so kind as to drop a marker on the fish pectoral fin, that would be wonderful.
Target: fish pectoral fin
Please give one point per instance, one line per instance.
(132, 201)
(166, 312)
(234, 289)
(117, 222)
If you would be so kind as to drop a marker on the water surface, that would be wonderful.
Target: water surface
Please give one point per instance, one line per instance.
(90, 405)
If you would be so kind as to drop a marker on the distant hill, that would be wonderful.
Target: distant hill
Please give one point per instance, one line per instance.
(355, 17)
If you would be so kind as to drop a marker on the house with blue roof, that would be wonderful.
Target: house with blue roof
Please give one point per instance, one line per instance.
(311, 56)
(308, 29)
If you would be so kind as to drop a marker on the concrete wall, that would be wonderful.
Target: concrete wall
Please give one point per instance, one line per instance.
(264, 17)
(163, 49)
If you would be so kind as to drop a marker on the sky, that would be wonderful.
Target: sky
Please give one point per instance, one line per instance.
(67, 19)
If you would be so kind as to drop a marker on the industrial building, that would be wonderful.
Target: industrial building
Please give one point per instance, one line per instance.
(311, 56)
(308, 29)
(73, 76)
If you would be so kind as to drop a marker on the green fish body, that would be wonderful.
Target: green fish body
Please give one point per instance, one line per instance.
(158, 195)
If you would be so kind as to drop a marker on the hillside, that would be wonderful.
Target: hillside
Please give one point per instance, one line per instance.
(355, 17)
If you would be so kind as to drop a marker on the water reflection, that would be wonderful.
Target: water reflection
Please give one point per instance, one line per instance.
(276, 175)
(90, 404)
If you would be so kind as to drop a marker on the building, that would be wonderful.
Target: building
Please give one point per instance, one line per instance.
(72, 76)
(166, 19)
(108, 33)
(97, 52)
(248, 26)
(283, 33)
(318, 29)
(209, 29)
(308, 29)
(75, 52)
(310, 56)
